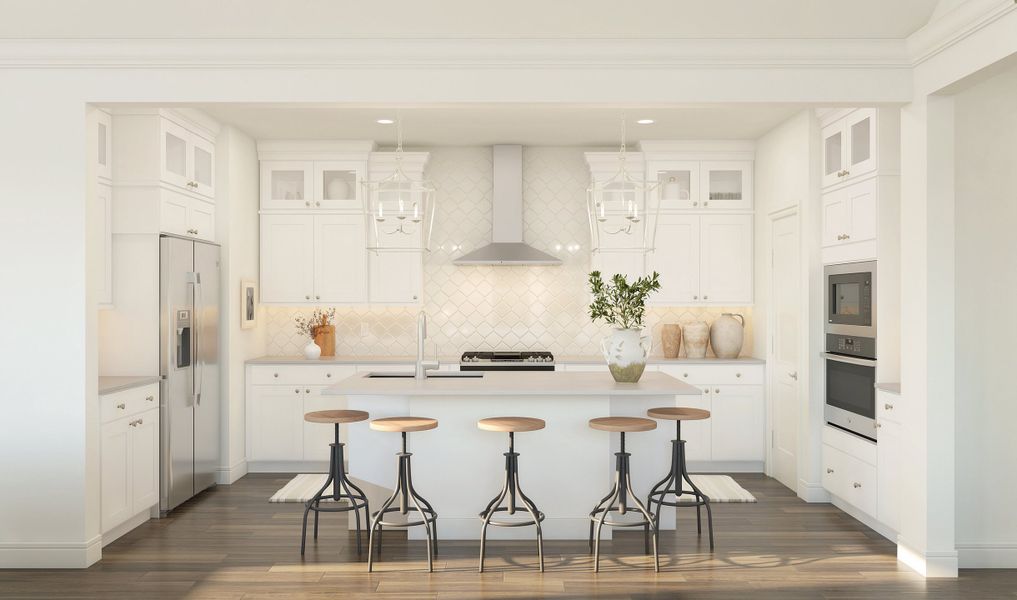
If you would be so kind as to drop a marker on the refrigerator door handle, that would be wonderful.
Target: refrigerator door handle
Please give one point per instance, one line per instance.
(199, 372)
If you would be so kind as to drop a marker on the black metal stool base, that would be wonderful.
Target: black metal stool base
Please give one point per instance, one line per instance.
(672, 486)
(515, 495)
(406, 495)
(341, 490)
(617, 500)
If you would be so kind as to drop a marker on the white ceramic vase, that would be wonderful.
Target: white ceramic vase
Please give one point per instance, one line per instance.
(696, 336)
(312, 351)
(727, 334)
(338, 189)
(625, 351)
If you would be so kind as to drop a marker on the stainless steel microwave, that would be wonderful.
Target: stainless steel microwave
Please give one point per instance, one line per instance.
(851, 299)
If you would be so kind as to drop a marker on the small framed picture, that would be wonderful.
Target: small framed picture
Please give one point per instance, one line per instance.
(248, 304)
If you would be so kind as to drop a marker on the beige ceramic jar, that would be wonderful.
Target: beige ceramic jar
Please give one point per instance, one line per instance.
(727, 335)
(697, 336)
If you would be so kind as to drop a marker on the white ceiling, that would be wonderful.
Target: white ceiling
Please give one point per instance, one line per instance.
(531, 125)
(478, 18)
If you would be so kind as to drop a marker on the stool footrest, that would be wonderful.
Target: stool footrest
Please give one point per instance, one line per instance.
(483, 515)
(427, 516)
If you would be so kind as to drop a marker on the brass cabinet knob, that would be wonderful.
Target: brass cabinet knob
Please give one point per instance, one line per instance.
(888, 406)
(150, 398)
(829, 471)
(121, 406)
(857, 485)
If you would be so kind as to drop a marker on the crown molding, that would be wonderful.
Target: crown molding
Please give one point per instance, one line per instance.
(966, 19)
(452, 52)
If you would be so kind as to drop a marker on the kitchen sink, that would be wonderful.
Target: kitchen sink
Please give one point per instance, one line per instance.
(430, 374)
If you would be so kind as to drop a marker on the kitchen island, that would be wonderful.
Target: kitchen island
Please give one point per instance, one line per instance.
(565, 468)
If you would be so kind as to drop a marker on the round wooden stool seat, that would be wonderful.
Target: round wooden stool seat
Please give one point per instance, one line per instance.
(678, 413)
(404, 424)
(336, 416)
(511, 424)
(623, 424)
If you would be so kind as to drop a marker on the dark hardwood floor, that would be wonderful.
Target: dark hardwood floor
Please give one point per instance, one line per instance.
(230, 543)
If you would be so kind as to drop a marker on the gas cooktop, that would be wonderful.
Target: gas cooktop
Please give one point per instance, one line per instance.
(506, 361)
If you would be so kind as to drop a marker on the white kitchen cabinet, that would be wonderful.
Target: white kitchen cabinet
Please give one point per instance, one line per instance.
(287, 184)
(631, 264)
(277, 423)
(396, 277)
(677, 184)
(287, 258)
(889, 459)
(726, 259)
(317, 437)
(726, 185)
(337, 184)
(738, 413)
(340, 266)
(103, 145)
(851, 146)
(129, 456)
(101, 220)
(698, 435)
(849, 469)
(677, 258)
(188, 159)
(851, 214)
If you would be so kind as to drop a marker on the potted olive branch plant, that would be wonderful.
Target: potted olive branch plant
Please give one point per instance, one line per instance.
(622, 305)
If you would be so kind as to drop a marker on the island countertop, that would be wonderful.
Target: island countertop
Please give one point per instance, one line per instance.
(514, 383)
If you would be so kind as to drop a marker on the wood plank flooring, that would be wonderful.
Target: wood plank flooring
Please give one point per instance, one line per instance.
(231, 543)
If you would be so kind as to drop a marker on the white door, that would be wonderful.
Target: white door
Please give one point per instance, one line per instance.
(277, 423)
(725, 273)
(287, 258)
(785, 355)
(739, 423)
(176, 159)
(676, 258)
(203, 161)
(340, 260)
(116, 473)
(396, 277)
(836, 217)
(144, 460)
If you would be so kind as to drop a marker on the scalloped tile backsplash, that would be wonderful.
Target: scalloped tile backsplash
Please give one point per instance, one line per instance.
(497, 308)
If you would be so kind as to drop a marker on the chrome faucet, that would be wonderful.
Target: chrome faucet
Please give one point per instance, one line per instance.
(421, 368)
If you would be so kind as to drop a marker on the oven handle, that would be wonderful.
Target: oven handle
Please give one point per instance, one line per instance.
(863, 362)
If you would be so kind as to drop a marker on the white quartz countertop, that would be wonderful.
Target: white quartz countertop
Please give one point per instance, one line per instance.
(509, 383)
(108, 385)
(445, 360)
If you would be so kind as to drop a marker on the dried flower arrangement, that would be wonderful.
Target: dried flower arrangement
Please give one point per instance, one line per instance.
(319, 318)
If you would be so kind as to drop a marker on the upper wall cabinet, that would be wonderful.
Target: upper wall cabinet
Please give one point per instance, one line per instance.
(188, 158)
(312, 175)
(700, 176)
(850, 147)
(103, 145)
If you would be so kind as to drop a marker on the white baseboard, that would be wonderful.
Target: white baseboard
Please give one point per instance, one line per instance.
(812, 492)
(120, 530)
(229, 475)
(287, 466)
(725, 466)
(50, 555)
(927, 564)
(987, 556)
(865, 518)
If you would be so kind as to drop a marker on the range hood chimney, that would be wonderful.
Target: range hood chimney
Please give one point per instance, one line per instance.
(507, 247)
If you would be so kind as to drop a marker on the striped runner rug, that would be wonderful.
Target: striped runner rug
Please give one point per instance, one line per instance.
(718, 488)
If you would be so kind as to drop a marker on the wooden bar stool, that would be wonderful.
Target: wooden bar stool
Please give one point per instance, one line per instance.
(511, 489)
(672, 483)
(337, 478)
(617, 500)
(404, 491)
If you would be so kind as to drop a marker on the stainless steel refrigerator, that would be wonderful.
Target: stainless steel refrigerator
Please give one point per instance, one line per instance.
(189, 356)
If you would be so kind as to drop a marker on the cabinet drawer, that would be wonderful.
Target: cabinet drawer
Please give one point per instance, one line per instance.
(129, 402)
(851, 445)
(699, 374)
(850, 479)
(886, 407)
(300, 374)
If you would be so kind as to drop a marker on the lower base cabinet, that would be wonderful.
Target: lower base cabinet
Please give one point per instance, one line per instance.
(129, 455)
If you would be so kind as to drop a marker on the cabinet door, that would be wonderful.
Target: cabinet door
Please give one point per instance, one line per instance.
(337, 184)
(103, 144)
(144, 453)
(101, 216)
(287, 185)
(864, 212)
(860, 133)
(739, 423)
(340, 260)
(631, 264)
(319, 436)
(277, 423)
(176, 156)
(677, 184)
(396, 277)
(203, 161)
(201, 219)
(116, 473)
(175, 213)
(834, 146)
(676, 258)
(698, 435)
(836, 217)
(889, 472)
(287, 258)
(726, 185)
(726, 259)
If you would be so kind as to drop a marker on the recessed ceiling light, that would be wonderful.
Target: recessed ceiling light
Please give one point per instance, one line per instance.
(645, 121)
(385, 121)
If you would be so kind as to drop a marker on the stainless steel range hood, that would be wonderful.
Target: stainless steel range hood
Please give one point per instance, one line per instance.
(507, 247)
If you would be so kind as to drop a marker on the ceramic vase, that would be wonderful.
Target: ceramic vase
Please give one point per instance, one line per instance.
(697, 336)
(625, 352)
(312, 351)
(671, 339)
(727, 334)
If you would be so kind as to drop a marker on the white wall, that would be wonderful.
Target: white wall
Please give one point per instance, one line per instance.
(237, 231)
(986, 284)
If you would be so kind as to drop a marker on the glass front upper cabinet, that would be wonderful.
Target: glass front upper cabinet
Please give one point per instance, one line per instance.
(849, 146)
(726, 185)
(677, 184)
(287, 184)
(337, 185)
